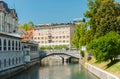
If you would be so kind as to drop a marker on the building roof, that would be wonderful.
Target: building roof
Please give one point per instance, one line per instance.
(30, 42)
(13, 13)
(14, 35)
(54, 25)
(4, 6)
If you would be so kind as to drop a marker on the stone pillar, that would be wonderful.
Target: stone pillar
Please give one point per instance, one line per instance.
(11, 45)
(6, 44)
(1, 22)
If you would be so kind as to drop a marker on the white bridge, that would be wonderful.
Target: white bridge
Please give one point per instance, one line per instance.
(65, 54)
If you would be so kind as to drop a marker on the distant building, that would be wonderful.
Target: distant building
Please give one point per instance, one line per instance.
(54, 34)
(78, 20)
(27, 36)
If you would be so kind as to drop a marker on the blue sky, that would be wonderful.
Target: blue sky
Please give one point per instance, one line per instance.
(48, 11)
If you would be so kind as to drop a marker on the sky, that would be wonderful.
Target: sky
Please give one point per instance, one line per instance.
(48, 11)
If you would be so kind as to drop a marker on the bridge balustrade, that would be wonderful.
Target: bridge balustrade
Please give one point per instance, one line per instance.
(73, 53)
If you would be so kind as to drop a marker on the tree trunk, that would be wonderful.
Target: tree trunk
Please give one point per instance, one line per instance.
(111, 59)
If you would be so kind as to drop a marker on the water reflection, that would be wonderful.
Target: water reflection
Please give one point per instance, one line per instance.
(56, 72)
(52, 60)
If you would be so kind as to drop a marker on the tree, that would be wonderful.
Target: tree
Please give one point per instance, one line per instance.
(105, 47)
(27, 26)
(104, 16)
(93, 6)
(79, 36)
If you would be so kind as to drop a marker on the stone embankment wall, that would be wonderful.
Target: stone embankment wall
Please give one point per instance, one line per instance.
(100, 73)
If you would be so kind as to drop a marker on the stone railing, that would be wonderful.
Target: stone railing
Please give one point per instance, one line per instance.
(100, 73)
(34, 55)
(74, 53)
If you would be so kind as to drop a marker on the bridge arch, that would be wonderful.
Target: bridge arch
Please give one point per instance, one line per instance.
(65, 55)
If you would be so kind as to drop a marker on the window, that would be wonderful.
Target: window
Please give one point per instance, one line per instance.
(4, 44)
(16, 61)
(9, 45)
(12, 45)
(59, 36)
(0, 63)
(13, 61)
(9, 62)
(67, 36)
(0, 44)
(4, 62)
(19, 45)
(16, 45)
(19, 59)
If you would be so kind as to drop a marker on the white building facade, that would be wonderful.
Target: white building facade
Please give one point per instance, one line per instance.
(11, 55)
(10, 52)
(52, 35)
(8, 18)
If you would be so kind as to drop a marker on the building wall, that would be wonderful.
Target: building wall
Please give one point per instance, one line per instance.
(32, 50)
(10, 52)
(8, 19)
(28, 36)
(54, 34)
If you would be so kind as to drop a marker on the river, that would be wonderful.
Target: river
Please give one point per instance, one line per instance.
(55, 72)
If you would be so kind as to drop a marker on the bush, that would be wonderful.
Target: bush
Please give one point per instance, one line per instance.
(106, 47)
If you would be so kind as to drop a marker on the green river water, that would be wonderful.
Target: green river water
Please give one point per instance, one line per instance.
(67, 71)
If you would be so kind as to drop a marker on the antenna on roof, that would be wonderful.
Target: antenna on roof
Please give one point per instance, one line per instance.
(14, 4)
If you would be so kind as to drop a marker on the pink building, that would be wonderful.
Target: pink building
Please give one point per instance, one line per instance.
(54, 34)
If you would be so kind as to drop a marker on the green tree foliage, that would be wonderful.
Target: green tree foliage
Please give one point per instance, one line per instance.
(61, 47)
(106, 47)
(27, 26)
(93, 5)
(79, 36)
(46, 48)
(104, 16)
(53, 47)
